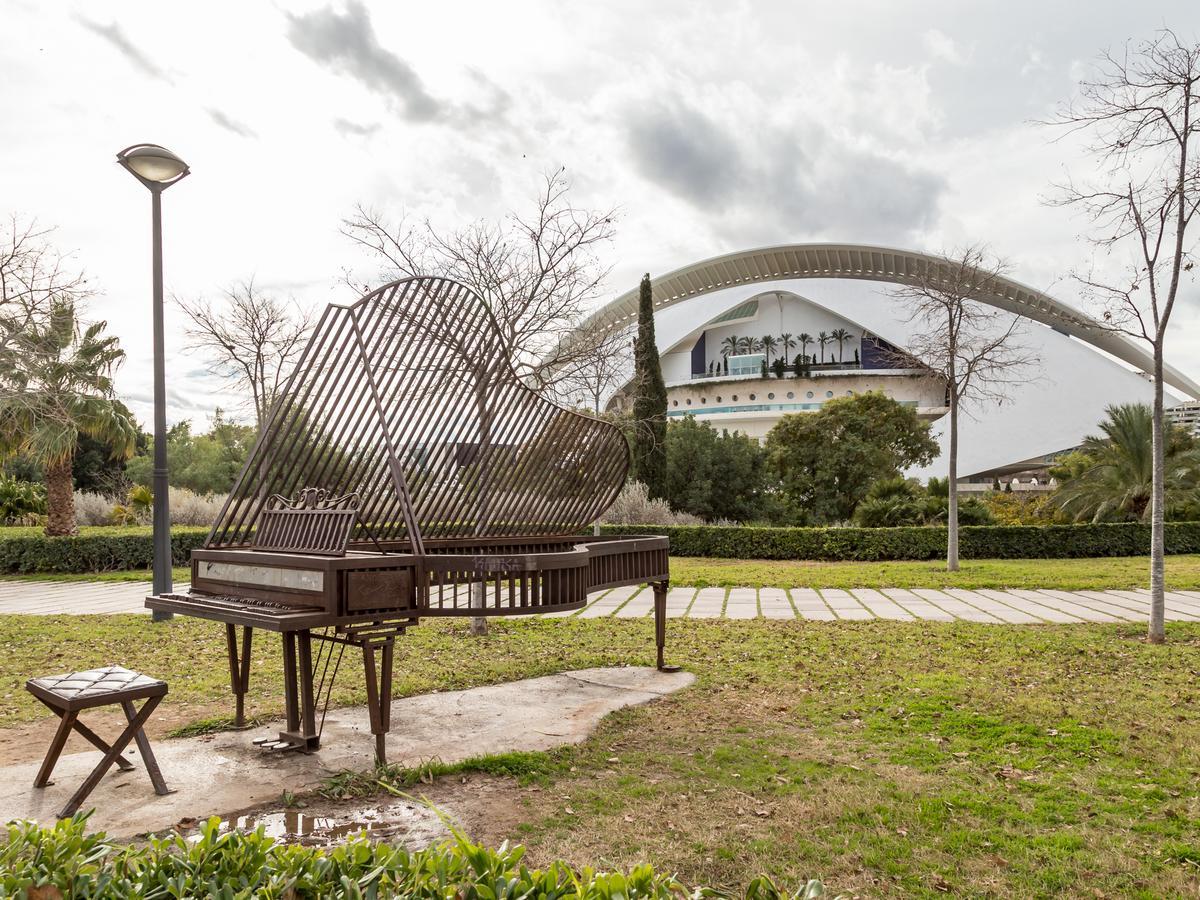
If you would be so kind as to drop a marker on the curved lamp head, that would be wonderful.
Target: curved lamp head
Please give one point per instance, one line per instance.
(154, 166)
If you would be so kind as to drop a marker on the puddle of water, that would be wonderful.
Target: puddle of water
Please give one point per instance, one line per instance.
(407, 824)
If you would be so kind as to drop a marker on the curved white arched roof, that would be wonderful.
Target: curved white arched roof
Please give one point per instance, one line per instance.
(868, 263)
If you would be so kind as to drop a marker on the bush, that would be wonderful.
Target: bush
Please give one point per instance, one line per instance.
(919, 542)
(93, 509)
(188, 508)
(65, 861)
(27, 550)
(21, 502)
(633, 505)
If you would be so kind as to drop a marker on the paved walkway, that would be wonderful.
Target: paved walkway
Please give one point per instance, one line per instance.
(1014, 606)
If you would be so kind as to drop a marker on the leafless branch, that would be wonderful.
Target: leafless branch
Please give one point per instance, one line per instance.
(538, 274)
(250, 337)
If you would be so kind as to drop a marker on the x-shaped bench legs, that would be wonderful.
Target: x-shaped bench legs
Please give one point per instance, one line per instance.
(69, 720)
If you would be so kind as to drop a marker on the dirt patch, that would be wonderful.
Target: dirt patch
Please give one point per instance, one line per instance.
(28, 742)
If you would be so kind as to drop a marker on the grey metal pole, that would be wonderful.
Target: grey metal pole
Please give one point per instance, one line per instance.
(162, 509)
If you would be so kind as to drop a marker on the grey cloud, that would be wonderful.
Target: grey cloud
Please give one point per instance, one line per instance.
(345, 126)
(230, 124)
(346, 43)
(685, 152)
(782, 185)
(115, 36)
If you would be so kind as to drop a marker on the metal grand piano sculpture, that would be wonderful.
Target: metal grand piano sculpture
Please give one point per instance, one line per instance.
(406, 472)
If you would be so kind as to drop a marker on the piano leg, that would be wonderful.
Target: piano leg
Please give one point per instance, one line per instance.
(299, 702)
(660, 624)
(379, 695)
(239, 670)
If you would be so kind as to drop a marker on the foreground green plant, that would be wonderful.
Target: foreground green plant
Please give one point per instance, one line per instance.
(67, 862)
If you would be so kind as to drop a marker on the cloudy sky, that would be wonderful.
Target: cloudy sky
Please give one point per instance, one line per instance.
(713, 126)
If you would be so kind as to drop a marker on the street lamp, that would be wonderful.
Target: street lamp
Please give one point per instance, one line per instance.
(158, 168)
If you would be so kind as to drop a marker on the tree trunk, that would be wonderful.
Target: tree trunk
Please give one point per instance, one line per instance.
(1156, 634)
(952, 510)
(60, 497)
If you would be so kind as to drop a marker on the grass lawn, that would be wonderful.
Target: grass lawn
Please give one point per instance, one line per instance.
(1109, 573)
(909, 759)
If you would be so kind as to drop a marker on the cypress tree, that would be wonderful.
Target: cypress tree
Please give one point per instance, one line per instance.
(649, 402)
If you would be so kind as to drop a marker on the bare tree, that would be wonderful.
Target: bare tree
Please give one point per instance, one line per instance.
(594, 377)
(972, 347)
(251, 337)
(1141, 115)
(539, 277)
(32, 274)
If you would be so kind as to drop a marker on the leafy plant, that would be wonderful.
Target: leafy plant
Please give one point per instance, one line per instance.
(66, 861)
(21, 502)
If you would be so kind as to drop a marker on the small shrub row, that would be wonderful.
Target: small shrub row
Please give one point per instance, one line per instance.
(918, 542)
(66, 861)
(26, 551)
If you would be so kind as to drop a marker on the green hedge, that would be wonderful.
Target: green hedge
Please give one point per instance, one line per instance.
(67, 862)
(870, 544)
(106, 549)
(98, 549)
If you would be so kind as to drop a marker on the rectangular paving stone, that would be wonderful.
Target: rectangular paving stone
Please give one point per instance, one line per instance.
(1173, 611)
(1037, 613)
(678, 600)
(606, 603)
(642, 604)
(709, 604)
(920, 608)
(957, 608)
(882, 607)
(774, 604)
(993, 607)
(1082, 608)
(809, 605)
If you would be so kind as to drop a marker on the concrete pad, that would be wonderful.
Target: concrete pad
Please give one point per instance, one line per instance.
(225, 773)
(1172, 609)
(957, 608)
(1006, 606)
(1083, 608)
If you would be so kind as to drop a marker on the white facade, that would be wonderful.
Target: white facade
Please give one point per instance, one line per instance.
(813, 288)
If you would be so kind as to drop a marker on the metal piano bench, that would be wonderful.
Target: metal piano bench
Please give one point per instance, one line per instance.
(68, 695)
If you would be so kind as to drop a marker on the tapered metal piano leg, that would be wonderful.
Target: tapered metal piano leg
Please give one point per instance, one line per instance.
(299, 699)
(379, 695)
(660, 625)
(239, 670)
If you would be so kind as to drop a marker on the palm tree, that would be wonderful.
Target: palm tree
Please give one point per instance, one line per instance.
(769, 345)
(841, 335)
(1110, 477)
(786, 343)
(805, 339)
(59, 387)
(729, 346)
(823, 339)
(746, 345)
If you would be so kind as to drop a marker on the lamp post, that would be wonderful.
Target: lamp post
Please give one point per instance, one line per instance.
(158, 168)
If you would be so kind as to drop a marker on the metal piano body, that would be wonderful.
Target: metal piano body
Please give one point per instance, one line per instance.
(406, 473)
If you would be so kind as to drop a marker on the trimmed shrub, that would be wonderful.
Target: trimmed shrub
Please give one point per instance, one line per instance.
(918, 543)
(27, 550)
(66, 861)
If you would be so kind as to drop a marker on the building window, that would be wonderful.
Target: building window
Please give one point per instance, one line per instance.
(735, 398)
(849, 393)
(674, 402)
(718, 398)
(827, 394)
(770, 396)
(703, 399)
(809, 395)
(791, 396)
(688, 401)
(752, 396)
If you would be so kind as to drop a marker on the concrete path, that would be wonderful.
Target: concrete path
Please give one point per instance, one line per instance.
(1012, 607)
(224, 773)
